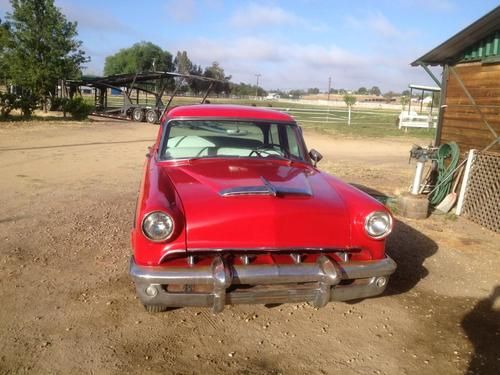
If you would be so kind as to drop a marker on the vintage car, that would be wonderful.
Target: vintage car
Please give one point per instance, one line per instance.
(232, 210)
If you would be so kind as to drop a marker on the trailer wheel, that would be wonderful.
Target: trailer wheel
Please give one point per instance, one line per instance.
(138, 115)
(152, 116)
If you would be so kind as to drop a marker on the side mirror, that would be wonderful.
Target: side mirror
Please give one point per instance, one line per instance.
(315, 156)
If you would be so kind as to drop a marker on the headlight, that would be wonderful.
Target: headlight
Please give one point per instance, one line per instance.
(157, 226)
(378, 224)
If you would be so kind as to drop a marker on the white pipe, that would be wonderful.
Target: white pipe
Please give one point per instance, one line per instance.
(417, 180)
(465, 181)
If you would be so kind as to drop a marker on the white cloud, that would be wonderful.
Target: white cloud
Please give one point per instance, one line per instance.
(88, 18)
(181, 10)
(288, 65)
(375, 23)
(264, 15)
(432, 5)
(381, 25)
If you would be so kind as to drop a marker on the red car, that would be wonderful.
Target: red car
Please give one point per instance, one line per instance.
(233, 210)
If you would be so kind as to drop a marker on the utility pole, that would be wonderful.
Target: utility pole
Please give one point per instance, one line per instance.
(329, 87)
(257, 85)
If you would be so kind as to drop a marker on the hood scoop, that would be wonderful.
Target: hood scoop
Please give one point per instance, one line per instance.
(267, 189)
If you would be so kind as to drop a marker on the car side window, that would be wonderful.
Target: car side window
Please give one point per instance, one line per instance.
(293, 145)
(274, 136)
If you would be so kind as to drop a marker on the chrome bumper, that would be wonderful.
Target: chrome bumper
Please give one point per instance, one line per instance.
(317, 283)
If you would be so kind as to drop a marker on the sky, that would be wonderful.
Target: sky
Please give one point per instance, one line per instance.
(294, 44)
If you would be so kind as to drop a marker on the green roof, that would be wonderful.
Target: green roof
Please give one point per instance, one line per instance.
(484, 50)
(478, 41)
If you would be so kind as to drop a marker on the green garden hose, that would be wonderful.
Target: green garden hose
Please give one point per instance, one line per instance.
(445, 172)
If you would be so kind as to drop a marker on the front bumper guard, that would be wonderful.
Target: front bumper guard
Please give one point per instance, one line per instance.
(317, 283)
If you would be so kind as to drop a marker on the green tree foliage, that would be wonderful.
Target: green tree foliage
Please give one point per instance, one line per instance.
(375, 91)
(296, 94)
(244, 89)
(349, 100)
(362, 91)
(43, 45)
(182, 63)
(313, 91)
(217, 72)
(196, 86)
(139, 58)
(4, 45)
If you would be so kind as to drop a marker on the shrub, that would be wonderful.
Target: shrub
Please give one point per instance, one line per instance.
(77, 107)
(7, 103)
(25, 102)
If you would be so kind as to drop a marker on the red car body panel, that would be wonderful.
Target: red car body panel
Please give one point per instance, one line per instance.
(227, 111)
(258, 221)
(189, 190)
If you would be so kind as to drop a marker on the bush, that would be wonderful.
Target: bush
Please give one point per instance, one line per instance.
(25, 102)
(7, 103)
(77, 107)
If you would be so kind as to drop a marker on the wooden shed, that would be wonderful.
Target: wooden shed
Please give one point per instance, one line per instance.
(470, 85)
(470, 113)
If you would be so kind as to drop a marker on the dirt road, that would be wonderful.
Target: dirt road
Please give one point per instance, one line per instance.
(67, 194)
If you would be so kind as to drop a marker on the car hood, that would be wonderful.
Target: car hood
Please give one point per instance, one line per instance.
(258, 204)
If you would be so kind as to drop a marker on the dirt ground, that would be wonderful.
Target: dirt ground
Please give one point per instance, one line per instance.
(67, 195)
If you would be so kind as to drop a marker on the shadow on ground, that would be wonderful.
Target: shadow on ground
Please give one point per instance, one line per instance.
(409, 248)
(482, 327)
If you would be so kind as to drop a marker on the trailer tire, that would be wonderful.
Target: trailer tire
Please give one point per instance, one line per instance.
(152, 116)
(138, 115)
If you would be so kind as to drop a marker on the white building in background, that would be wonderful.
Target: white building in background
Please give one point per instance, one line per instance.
(272, 96)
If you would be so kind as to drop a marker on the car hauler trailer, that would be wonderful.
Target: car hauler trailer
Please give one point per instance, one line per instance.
(137, 96)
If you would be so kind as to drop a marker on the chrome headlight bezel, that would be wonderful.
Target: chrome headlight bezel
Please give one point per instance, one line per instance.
(151, 216)
(369, 220)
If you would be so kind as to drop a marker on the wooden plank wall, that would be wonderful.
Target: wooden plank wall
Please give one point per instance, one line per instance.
(461, 121)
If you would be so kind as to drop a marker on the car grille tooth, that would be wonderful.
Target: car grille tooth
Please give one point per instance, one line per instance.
(297, 258)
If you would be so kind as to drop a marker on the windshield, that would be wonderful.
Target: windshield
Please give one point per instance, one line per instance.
(186, 139)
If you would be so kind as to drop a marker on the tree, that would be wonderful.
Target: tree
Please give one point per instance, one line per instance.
(182, 63)
(217, 72)
(44, 47)
(141, 57)
(375, 91)
(4, 45)
(244, 89)
(313, 91)
(362, 91)
(349, 100)
(195, 85)
(296, 94)
(406, 93)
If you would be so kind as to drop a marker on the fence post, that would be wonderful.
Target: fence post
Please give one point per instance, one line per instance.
(465, 181)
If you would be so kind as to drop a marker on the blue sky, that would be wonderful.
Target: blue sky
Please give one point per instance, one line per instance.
(292, 44)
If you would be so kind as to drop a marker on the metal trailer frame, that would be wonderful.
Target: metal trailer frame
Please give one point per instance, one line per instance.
(128, 84)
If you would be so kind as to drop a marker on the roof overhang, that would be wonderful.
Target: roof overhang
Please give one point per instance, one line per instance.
(424, 88)
(451, 50)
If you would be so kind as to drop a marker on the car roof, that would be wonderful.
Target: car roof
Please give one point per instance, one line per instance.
(228, 111)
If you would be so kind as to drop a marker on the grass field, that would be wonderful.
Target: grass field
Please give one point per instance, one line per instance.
(365, 122)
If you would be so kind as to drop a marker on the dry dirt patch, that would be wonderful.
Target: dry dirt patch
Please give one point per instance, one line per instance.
(67, 198)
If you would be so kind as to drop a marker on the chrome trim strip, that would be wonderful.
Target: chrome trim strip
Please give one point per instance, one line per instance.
(267, 189)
